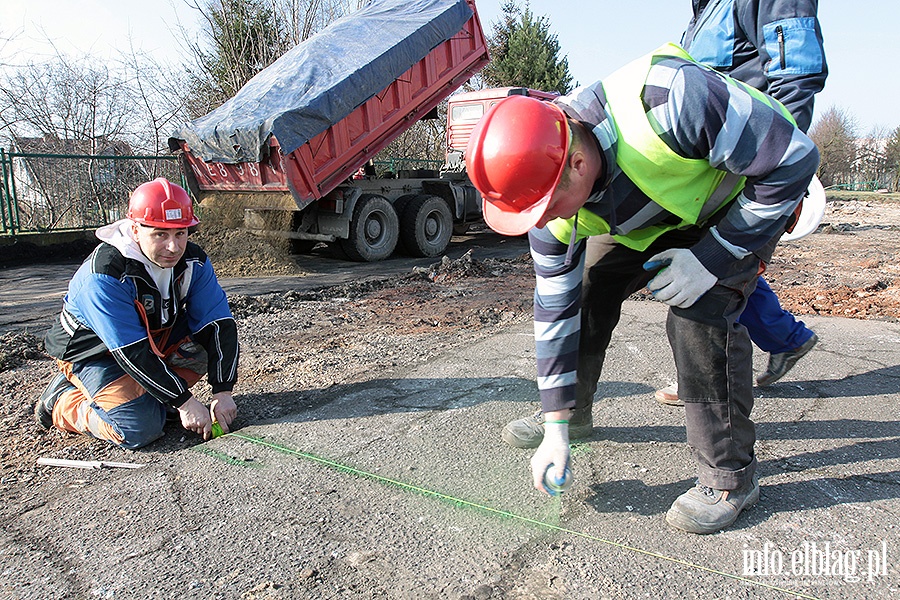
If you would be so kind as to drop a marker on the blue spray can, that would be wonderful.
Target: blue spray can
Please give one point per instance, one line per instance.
(555, 486)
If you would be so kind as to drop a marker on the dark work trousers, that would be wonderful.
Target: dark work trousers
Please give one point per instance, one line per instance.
(712, 350)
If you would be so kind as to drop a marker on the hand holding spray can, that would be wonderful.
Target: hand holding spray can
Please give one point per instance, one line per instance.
(555, 486)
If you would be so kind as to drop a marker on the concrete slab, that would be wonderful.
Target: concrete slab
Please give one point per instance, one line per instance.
(400, 487)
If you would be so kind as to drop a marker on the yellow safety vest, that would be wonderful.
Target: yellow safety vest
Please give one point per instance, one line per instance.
(687, 187)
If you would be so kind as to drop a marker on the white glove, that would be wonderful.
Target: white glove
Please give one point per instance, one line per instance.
(554, 449)
(682, 280)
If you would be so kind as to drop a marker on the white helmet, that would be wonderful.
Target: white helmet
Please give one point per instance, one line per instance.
(811, 212)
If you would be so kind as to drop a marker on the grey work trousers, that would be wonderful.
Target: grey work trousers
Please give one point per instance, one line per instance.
(712, 351)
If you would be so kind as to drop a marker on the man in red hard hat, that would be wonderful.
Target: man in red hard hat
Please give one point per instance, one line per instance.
(691, 177)
(143, 320)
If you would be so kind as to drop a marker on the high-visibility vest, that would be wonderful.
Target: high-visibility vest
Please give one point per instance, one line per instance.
(687, 187)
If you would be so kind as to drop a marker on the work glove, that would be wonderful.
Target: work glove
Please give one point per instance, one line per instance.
(554, 449)
(681, 280)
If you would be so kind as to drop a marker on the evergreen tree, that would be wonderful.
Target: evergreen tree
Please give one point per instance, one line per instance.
(525, 53)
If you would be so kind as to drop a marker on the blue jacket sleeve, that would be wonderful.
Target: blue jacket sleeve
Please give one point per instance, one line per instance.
(788, 37)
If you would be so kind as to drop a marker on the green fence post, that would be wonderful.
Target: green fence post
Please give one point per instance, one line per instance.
(6, 202)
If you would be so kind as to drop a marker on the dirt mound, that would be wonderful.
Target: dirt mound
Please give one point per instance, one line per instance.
(848, 269)
(18, 347)
(449, 270)
(239, 253)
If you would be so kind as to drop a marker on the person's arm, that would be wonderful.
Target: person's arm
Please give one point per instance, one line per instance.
(703, 117)
(557, 317)
(557, 327)
(212, 324)
(106, 306)
(788, 39)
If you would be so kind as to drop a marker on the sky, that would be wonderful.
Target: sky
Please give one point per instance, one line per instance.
(861, 39)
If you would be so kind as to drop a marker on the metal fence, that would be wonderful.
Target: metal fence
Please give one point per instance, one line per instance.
(859, 186)
(57, 192)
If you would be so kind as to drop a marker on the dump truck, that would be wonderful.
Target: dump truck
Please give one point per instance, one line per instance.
(295, 144)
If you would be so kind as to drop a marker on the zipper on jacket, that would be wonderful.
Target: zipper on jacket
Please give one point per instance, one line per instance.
(779, 31)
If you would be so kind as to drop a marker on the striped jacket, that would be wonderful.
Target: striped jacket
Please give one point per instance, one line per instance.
(698, 115)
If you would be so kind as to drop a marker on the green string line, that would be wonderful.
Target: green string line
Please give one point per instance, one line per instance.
(504, 513)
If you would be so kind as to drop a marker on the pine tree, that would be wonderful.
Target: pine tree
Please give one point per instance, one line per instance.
(525, 53)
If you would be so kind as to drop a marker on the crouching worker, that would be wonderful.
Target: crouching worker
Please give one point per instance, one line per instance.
(690, 178)
(143, 320)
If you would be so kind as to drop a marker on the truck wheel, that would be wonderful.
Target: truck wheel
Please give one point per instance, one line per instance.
(426, 226)
(374, 229)
(401, 203)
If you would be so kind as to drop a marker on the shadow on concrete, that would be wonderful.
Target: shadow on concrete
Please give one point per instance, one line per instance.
(635, 496)
(382, 396)
(872, 383)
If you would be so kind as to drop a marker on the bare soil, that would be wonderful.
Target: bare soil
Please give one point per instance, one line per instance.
(344, 334)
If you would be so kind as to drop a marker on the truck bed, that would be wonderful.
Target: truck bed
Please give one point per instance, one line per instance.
(312, 118)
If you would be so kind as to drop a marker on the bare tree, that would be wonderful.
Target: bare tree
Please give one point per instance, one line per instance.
(66, 98)
(892, 160)
(239, 38)
(421, 146)
(834, 133)
(870, 167)
(5, 39)
(79, 108)
(159, 99)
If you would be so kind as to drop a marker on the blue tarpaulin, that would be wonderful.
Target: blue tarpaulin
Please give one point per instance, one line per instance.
(323, 79)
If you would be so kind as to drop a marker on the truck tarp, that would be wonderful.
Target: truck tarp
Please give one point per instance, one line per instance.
(323, 79)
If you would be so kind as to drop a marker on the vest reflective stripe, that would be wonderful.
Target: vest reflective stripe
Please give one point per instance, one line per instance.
(688, 188)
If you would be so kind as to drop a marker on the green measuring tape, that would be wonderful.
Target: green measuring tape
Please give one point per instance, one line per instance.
(425, 491)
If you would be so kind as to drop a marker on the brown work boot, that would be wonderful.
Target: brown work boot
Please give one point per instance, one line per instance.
(781, 363)
(703, 509)
(528, 432)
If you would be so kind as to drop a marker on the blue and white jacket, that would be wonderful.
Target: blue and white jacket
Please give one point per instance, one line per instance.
(118, 298)
(773, 45)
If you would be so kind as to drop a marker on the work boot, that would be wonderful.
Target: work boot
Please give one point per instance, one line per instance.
(668, 396)
(528, 432)
(702, 509)
(43, 409)
(781, 363)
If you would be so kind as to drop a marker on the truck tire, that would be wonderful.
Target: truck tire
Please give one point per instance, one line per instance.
(426, 226)
(401, 203)
(374, 230)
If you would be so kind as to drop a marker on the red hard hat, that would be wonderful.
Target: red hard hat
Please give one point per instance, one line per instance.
(161, 203)
(516, 156)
